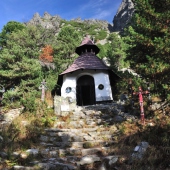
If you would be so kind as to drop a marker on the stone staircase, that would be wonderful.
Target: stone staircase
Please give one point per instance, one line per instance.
(80, 140)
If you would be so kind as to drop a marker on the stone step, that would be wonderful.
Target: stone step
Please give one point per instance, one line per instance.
(76, 137)
(47, 166)
(101, 129)
(55, 152)
(80, 117)
(89, 151)
(55, 131)
(72, 163)
(76, 124)
(85, 144)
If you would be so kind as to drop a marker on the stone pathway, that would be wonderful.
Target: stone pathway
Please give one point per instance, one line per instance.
(79, 140)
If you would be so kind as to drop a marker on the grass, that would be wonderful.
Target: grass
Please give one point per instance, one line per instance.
(158, 137)
(25, 131)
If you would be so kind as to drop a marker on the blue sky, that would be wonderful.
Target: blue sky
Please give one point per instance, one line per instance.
(23, 10)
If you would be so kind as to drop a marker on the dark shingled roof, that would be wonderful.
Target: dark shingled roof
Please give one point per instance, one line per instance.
(87, 40)
(87, 61)
(87, 44)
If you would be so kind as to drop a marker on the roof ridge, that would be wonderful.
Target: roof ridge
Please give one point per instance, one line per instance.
(86, 61)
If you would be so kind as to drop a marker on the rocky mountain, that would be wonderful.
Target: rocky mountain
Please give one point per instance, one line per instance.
(120, 20)
(123, 15)
(48, 21)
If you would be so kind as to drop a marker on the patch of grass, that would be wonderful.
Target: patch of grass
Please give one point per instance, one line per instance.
(102, 34)
(88, 145)
(24, 132)
(158, 137)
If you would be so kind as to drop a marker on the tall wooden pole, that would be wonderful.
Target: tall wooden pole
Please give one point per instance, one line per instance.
(140, 95)
(43, 87)
(1, 96)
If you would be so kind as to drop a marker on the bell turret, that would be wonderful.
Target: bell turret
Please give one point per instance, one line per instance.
(87, 45)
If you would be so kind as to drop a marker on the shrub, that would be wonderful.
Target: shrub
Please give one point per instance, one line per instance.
(101, 35)
(29, 103)
(10, 96)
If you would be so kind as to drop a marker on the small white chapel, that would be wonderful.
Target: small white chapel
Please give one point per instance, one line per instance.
(88, 80)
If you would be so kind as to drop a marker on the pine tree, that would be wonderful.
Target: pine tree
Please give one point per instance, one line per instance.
(149, 40)
(18, 62)
(64, 52)
(11, 26)
(116, 52)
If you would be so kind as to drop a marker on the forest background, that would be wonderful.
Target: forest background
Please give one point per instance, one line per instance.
(31, 53)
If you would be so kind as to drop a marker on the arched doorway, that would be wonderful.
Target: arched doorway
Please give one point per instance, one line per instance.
(85, 91)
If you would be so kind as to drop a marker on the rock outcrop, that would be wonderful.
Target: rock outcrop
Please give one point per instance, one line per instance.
(47, 21)
(120, 20)
(123, 15)
(103, 23)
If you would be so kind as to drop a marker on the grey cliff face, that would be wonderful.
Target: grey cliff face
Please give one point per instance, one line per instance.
(47, 21)
(120, 20)
(103, 23)
(123, 15)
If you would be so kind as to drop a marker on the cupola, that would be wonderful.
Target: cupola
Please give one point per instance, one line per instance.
(87, 45)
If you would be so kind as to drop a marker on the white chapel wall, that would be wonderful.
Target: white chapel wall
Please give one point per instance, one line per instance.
(106, 93)
(100, 77)
(69, 80)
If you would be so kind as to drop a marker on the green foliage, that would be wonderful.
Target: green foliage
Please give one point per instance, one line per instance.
(103, 50)
(10, 27)
(79, 25)
(29, 103)
(68, 39)
(122, 84)
(83, 28)
(149, 38)
(101, 35)
(19, 64)
(116, 52)
(18, 60)
(47, 121)
(51, 80)
(11, 98)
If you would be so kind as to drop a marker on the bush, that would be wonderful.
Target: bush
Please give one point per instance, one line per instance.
(11, 99)
(101, 35)
(9, 96)
(29, 103)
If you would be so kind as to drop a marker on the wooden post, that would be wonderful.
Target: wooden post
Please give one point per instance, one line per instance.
(1, 95)
(130, 91)
(140, 95)
(43, 87)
